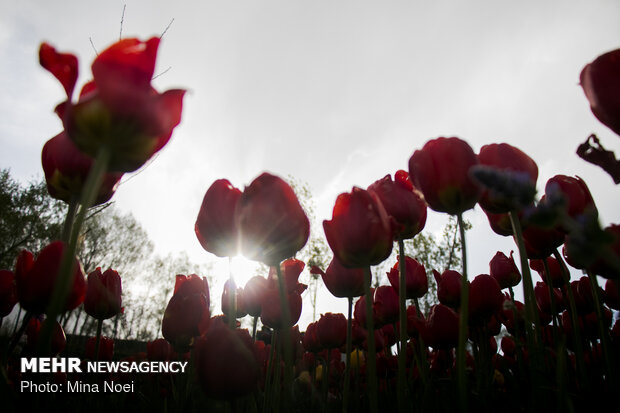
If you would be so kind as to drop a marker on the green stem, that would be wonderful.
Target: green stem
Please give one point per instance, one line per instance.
(268, 381)
(254, 325)
(347, 369)
(286, 335)
(402, 291)
(371, 363)
(609, 363)
(461, 351)
(71, 210)
(549, 283)
(98, 342)
(232, 297)
(63, 282)
(19, 334)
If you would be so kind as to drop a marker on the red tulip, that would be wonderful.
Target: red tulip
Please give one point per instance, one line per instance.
(119, 109)
(290, 269)
(253, 294)
(226, 362)
(159, 350)
(402, 202)
(215, 226)
(36, 279)
(601, 85)
(8, 292)
(611, 294)
(187, 313)
(541, 242)
(33, 332)
(607, 266)
(340, 280)
(442, 327)
(543, 298)
(66, 170)
(441, 171)
(500, 223)
(271, 311)
(385, 305)
(448, 287)
(416, 281)
(415, 322)
(106, 349)
(485, 297)
(555, 271)
(575, 192)
(359, 309)
(103, 294)
(331, 330)
(310, 340)
(273, 226)
(504, 270)
(506, 158)
(360, 232)
(239, 299)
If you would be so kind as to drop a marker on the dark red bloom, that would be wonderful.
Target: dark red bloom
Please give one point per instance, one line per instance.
(226, 362)
(119, 109)
(66, 169)
(215, 226)
(187, 313)
(239, 299)
(611, 294)
(601, 85)
(485, 296)
(36, 279)
(416, 281)
(290, 270)
(500, 223)
(543, 298)
(402, 202)
(33, 332)
(106, 348)
(340, 280)
(253, 294)
(448, 287)
(8, 292)
(310, 340)
(506, 158)
(541, 242)
(504, 270)
(273, 226)
(331, 330)
(103, 294)
(415, 322)
(555, 271)
(385, 305)
(159, 350)
(442, 327)
(271, 311)
(360, 231)
(441, 171)
(575, 192)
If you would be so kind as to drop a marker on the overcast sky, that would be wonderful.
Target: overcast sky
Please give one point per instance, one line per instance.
(334, 93)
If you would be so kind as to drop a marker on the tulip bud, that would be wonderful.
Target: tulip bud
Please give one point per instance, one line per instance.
(402, 202)
(226, 362)
(485, 297)
(385, 305)
(575, 192)
(441, 171)
(331, 330)
(442, 327)
(601, 85)
(310, 340)
(36, 279)
(340, 280)
(253, 294)
(215, 226)
(239, 299)
(271, 311)
(504, 270)
(416, 281)
(360, 232)
(103, 294)
(290, 270)
(448, 288)
(273, 226)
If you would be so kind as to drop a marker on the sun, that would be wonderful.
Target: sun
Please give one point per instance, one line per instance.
(243, 269)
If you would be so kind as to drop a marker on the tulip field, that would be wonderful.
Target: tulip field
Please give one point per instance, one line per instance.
(480, 348)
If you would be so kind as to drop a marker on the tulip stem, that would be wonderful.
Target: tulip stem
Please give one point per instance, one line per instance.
(371, 375)
(232, 297)
(347, 369)
(254, 325)
(19, 334)
(270, 367)
(549, 283)
(98, 342)
(602, 331)
(461, 351)
(402, 290)
(71, 210)
(286, 335)
(63, 282)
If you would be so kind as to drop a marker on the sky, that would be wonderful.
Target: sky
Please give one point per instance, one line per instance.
(334, 93)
